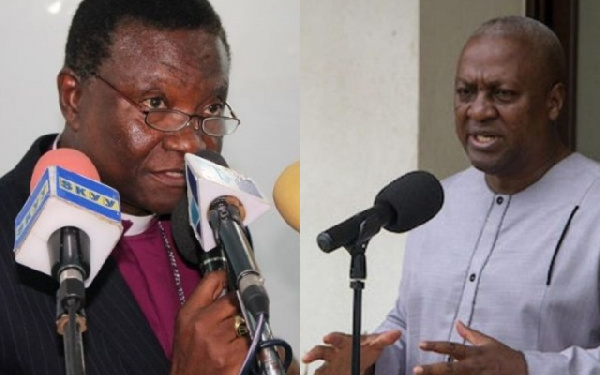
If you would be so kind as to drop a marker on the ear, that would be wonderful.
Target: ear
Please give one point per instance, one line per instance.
(69, 93)
(555, 100)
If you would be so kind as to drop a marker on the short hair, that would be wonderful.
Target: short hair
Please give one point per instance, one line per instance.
(540, 38)
(95, 21)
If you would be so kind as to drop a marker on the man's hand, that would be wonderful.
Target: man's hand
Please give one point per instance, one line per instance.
(486, 356)
(205, 338)
(337, 352)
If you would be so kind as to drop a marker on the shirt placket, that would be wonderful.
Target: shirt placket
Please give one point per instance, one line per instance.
(482, 252)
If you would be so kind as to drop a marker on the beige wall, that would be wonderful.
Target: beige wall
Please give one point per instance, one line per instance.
(588, 79)
(376, 102)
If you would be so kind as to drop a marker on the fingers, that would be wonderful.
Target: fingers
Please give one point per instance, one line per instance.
(454, 350)
(337, 339)
(336, 342)
(319, 352)
(471, 335)
(209, 289)
(446, 368)
(383, 339)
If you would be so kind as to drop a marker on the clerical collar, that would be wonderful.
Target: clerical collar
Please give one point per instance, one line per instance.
(139, 224)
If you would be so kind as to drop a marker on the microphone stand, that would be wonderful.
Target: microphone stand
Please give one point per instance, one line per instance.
(71, 268)
(358, 273)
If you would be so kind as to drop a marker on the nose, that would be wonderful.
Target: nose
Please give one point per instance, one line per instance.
(185, 140)
(481, 108)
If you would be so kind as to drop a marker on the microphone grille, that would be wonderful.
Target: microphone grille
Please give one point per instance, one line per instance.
(415, 197)
(213, 157)
(183, 234)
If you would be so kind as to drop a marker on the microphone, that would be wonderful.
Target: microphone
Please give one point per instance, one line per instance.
(67, 228)
(221, 203)
(286, 195)
(68, 199)
(224, 201)
(402, 205)
(206, 181)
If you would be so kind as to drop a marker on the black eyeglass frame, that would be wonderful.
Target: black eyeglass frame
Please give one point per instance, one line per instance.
(202, 120)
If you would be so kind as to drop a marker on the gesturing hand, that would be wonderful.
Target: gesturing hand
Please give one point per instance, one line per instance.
(337, 351)
(486, 356)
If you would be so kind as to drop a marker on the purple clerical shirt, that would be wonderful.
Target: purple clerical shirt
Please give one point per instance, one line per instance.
(142, 259)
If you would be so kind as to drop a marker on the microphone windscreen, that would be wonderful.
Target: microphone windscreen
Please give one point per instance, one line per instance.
(286, 195)
(183, 234)
(213, 157)
(415, 197)
(69, 159)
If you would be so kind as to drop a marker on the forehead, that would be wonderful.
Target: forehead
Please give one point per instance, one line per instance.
(494, 58)
(140, 49)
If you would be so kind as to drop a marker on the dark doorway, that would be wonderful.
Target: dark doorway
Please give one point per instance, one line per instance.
(562, 17)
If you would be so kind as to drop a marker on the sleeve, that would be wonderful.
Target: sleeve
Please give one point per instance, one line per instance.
(393, 358)
(571, 361)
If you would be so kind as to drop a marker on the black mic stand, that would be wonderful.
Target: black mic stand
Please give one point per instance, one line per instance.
(358, 273)
(71, 246)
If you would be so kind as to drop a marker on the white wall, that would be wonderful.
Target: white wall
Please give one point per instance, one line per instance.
(359, 110)
(264, 88)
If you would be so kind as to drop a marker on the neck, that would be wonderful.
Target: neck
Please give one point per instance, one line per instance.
(511, 185)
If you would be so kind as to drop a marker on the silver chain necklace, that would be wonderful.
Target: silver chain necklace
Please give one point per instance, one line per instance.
(172, 263)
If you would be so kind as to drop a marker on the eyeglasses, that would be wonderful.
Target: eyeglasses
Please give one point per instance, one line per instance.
(172, 120)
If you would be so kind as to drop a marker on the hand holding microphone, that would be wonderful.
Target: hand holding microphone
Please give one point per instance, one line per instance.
(220, 203)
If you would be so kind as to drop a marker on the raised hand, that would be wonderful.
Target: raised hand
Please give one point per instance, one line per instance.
(337, 351)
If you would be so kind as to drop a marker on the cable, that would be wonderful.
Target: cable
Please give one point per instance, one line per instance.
(257, 345)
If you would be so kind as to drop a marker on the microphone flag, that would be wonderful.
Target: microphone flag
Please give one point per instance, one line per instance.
(207, 181)
(69, 199)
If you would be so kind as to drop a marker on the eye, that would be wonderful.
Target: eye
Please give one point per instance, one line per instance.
(155, 102)
(504, 95)
(464, 93)
(215, 110)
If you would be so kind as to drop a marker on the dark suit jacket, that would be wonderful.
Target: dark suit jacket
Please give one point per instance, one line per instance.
(118, 340)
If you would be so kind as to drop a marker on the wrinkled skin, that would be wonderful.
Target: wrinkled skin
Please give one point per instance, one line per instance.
(504, 105)
(183, 69)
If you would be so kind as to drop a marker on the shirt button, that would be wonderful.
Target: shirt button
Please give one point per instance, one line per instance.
(472, 277)
(499, 200)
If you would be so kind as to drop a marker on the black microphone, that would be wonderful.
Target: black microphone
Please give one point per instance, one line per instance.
(233, 251)
(402, 205)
